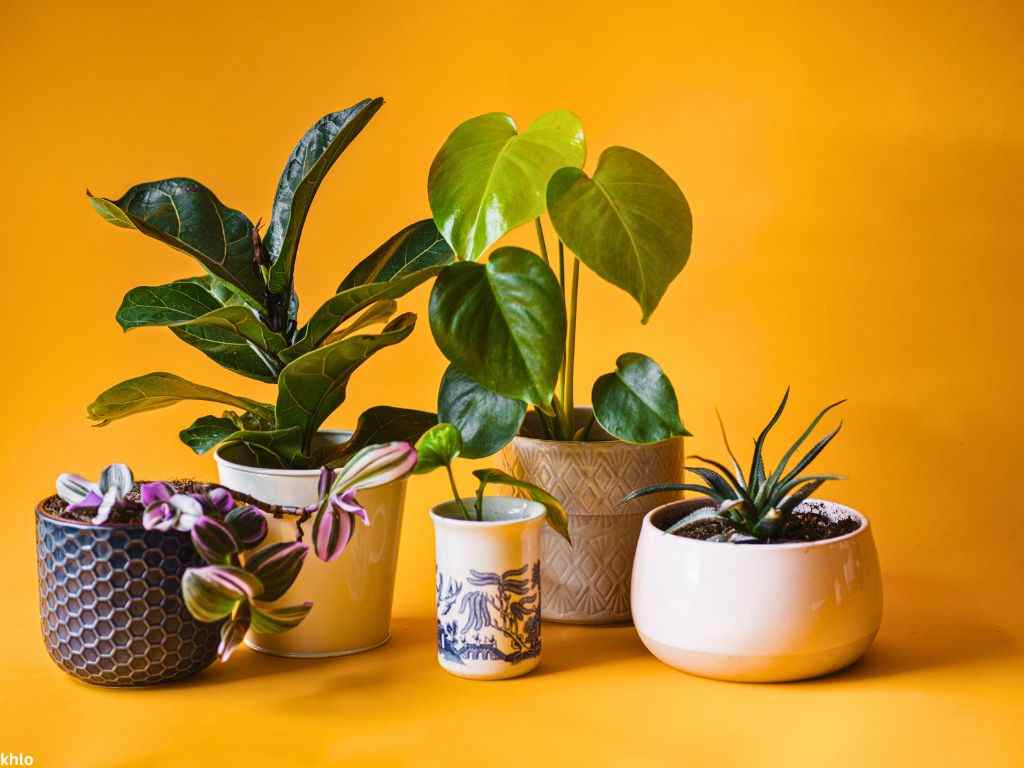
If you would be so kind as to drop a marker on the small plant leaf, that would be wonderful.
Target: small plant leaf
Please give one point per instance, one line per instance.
(213, 540)
(417, 246)
(267, 620)
(213, 591)
(486, 420)
(379, 424)
(160, 390)
(207, 432)
(277, 566)
(438, 447)
(716, 481)
(248, 525)
(811, 455)
(74, 488)
(116, 477)
(555, 513)
(711, 493)
(756, 480)
(305, 169)
(636, 403)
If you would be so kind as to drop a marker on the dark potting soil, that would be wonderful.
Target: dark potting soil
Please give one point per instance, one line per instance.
(805, 525)
(57, 507)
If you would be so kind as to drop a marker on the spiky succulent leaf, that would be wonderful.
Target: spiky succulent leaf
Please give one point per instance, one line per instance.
(780, 492)
(728, 448)
(738, 486)
(777, 473)
(716, 481)
(711, 493)
(798, 496)
(811, 455)
(704, 513)
(757, 462)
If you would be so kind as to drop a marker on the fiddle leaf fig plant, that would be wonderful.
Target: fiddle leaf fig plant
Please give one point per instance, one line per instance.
(442, 444)
(755, 505)
(243, 312)
(508, 326)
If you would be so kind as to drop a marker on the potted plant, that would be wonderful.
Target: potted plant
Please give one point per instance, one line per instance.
(508, 327)
(143, 583)
(488, 573)
(756, 581)
(243, 314)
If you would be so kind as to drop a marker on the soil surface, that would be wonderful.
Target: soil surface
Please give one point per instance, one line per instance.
(805, 525)
(57, 507)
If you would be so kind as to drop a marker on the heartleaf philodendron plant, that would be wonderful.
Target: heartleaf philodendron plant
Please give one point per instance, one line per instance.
(243, 312)
(756, 506)
(242, 579)
(508, 327)
(442, 444)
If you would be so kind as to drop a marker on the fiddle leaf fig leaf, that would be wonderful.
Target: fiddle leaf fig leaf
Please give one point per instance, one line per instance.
(488, 179)
(502, 324)
(556, 515)
(207, 432)
(306, 168)
(160, 390)
(378, 425)
(629, 223)
(176, 302)
(486, 420)
(267, 448)
(313, 386)
(413, 248)
(344, 305)
(189, 217)
(438, 447)
(636, 403)
(375, 314)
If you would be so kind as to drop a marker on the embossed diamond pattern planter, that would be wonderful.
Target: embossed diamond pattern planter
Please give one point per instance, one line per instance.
(589, 583)
(110, 603)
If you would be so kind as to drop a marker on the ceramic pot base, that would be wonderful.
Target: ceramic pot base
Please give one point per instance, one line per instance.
(300, 655)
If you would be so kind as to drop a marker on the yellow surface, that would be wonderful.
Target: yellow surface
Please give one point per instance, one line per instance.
(855, 177)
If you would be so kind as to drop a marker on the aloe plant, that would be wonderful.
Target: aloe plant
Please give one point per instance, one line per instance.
(508, 327)
(440, 445)
(243, 312)
(757, 505)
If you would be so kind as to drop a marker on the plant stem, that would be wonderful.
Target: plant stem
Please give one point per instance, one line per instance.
(455, 491)
(570, 354)
(561, 268)
(543, 244)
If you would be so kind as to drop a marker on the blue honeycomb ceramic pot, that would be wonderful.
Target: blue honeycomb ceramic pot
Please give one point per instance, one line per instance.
(110, 603)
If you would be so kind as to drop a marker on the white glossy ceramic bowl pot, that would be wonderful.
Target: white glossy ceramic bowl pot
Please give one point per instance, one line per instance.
(756, 612)
(351, 596)
(488, 588)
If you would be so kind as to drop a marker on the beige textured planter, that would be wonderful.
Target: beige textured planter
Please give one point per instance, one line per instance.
(589, 583)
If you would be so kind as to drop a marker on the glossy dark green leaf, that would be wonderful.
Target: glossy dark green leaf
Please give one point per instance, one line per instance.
(377, 313)
(556, 515)
(486, 420)
(488, 179)
(313, 386)
(160, 390)
(207, 432)
(416, 247)
(380, 424)
(636, 403)
(307, 166)
(231, 351)
(176, 302)
(189, 217)
(629, 223)
(502, 323)
(267, 448)
(344, 305)
(439, 446)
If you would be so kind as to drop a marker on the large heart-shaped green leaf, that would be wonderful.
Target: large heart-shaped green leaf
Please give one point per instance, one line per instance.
(344, 305)
(189, 217)
(159, 390)
(380, 424)
(629, 223)
(307, 166)
(502, 324)
(636, 403)
(488, 179)
(313, 386)
(487, 421)
(416, 247)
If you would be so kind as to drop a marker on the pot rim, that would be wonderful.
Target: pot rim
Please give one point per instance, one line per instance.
(864, 526)
(222, 462)
(42, 513)
(534, 511)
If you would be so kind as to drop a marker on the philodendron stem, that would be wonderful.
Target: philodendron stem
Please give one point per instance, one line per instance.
(455, 493)
(570, 352)
(540, 239)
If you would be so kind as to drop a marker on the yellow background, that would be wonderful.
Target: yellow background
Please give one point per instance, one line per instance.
(855, 179)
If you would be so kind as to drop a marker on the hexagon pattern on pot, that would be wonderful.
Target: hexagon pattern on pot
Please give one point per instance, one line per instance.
(111, 607)
(589, 583)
